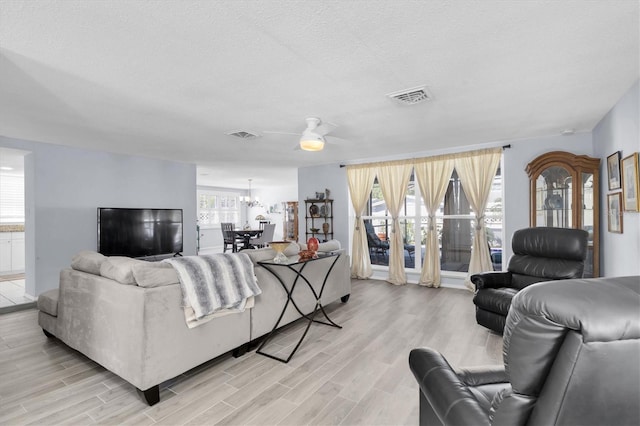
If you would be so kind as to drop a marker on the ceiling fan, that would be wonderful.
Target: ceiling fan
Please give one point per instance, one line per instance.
(314, 136)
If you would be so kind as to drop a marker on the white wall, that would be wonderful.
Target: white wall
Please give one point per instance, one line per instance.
(63, 188)
(618, 131)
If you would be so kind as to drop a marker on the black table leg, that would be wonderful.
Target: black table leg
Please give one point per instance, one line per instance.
(309, 317)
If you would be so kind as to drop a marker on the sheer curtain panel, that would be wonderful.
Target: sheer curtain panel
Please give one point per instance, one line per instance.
(360, 182)
(476, 171)
(394, 179)
(433, 176)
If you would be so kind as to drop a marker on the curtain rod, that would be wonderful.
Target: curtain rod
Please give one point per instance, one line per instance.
(503, 147)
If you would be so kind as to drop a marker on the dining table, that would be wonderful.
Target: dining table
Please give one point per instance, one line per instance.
(246, 235)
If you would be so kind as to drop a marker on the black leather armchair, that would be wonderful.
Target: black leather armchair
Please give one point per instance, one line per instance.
(539, 254)
(571, 357)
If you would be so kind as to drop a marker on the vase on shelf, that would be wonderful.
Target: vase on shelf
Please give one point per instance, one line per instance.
(325, 229)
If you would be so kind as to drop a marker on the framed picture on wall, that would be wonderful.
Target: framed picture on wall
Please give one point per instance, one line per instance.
(629, 172)
(613, 169)
(614, 201)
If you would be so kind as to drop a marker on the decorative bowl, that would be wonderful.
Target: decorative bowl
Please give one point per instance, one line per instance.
(279, 247)
(314, 230)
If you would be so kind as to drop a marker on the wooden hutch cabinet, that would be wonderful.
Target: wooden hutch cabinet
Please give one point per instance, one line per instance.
(290, 220)
(564, 191)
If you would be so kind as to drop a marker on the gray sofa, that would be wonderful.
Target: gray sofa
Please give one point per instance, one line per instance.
(126, 315)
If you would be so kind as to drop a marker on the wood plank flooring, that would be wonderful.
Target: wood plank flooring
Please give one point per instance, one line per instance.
(355, 376)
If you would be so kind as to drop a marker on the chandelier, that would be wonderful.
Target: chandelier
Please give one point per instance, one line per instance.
(248, 200)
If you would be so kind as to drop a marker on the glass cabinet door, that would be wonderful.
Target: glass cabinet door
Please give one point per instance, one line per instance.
(553, 198)
(588, 219)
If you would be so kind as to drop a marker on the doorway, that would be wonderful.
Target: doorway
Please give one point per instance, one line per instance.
(12, 230)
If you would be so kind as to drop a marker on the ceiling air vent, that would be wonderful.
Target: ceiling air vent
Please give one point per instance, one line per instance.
(411, 96)
(243, 134)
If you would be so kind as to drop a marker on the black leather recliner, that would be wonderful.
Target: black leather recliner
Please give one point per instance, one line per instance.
(571, 357)
(539, 254)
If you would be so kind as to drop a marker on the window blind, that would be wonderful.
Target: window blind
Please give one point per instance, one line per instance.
(11, 198)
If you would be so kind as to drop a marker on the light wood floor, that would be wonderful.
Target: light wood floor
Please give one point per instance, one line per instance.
(355, 376)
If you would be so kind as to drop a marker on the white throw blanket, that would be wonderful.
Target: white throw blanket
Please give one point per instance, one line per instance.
(213, 285)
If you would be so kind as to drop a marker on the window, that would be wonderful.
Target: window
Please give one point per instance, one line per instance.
(454, 225)
(380, 219)
(215, 207)
(11, 198)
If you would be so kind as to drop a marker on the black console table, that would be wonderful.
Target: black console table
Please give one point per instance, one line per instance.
(298, 267)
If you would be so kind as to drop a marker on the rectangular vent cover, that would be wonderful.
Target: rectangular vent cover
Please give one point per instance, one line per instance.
(411, 96)
(243, 134)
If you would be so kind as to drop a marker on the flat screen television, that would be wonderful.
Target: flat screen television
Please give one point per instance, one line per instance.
(139, 232)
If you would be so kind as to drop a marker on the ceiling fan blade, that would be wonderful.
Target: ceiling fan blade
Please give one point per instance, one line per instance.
(334, 140)
(325, 128)
(271, 132)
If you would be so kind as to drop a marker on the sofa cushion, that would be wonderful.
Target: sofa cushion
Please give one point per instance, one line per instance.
(119, 268)
(327, 246)
(48, 302)
(260, 255)
(154, 274)
(88, 261)
(267, 253)
(292, 249)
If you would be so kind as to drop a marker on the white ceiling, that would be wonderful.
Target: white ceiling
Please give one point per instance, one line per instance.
(167, 79)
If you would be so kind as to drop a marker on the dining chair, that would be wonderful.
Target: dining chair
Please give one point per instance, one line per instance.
(263, 223)
(266, 237)
(229, 237)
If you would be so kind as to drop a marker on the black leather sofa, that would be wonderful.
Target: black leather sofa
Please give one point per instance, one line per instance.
(571, 357)
(539, 254)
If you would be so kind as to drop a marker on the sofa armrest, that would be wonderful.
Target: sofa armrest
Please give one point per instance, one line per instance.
(449, 397)
(491, 280)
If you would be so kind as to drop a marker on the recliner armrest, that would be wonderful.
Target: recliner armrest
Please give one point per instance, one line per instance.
(449, 397)
(491, 280)
(478, 376)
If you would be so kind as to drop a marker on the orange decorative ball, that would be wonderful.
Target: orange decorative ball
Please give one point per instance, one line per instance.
(312, 244)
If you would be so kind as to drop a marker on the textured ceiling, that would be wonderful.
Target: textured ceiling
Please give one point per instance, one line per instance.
(168, 79)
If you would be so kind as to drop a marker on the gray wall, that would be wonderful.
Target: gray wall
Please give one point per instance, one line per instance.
(64, 186)
(618, 131)
(317, 179)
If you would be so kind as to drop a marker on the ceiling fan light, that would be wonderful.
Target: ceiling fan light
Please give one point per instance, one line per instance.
(311, 142)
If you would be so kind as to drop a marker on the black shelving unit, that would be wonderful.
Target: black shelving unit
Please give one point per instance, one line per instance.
(318, 219)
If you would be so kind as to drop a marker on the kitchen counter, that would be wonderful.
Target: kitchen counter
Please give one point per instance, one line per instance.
(11, 228)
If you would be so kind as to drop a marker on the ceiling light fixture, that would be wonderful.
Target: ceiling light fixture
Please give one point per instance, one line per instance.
(311, 141)
(250, 202)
